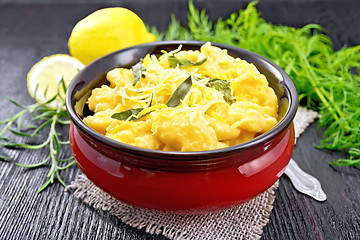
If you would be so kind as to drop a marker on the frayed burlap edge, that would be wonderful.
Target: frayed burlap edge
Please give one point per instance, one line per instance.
(250, 217)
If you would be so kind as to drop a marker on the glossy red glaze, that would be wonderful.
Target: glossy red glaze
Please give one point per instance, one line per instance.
(183, 191)
(182, 182)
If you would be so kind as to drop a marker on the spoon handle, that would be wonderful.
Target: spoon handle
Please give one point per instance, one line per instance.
(304, 182)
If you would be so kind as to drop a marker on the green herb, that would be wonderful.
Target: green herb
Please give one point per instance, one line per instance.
(220, 85)
(175, 99)
(48, 117)
(223, 87)
(354, 159)
(175, 31)
(130, 114)
(180, 93)
(138, 71)
(326, 80)
(181, 62)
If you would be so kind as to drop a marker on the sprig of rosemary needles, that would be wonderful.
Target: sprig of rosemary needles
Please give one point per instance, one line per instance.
(46, 118)
(327, 81)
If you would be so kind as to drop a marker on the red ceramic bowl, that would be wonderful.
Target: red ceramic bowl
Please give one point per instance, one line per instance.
(181, 182)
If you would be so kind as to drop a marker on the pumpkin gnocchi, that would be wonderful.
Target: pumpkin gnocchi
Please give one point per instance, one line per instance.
(184, 101)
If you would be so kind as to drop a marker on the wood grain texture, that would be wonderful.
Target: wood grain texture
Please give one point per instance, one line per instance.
(29, 31)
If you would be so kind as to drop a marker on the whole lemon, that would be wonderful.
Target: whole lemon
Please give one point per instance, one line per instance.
(105, 31)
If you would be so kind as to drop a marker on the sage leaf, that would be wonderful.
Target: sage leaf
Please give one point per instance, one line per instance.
(223, 87)
(174, 61)
(130, 113)
(180, 93)
(138, 71)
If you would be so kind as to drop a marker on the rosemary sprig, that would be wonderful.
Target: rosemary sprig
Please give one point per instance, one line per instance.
(327, 80)
(48, 117)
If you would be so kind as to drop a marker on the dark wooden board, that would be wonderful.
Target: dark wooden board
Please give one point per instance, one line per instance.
(29, 31)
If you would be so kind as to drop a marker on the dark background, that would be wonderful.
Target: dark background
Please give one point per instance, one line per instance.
(31, 30)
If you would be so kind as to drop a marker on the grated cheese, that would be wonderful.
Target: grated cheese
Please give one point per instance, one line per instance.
(203, 120)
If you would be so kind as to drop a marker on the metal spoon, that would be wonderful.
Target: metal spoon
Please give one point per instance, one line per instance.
(304, 182)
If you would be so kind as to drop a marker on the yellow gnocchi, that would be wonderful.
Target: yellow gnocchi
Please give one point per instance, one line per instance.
(227, 102)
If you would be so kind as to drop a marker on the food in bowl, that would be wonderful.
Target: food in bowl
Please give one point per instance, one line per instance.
(184, 100)
(183, 182)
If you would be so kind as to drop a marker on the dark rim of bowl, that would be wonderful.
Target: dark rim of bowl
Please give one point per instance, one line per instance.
(283, 78)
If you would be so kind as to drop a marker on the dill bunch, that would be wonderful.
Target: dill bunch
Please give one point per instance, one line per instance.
(327, 81)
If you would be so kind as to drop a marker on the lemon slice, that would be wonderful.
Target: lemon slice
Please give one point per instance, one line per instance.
(44, 77)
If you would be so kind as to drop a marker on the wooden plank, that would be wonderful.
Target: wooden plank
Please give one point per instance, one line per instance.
(29, 32)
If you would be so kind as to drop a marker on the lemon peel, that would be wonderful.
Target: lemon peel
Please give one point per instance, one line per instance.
(105, 31)
(44, 77)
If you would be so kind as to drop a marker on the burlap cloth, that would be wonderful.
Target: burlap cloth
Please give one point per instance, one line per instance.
(243, 222)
